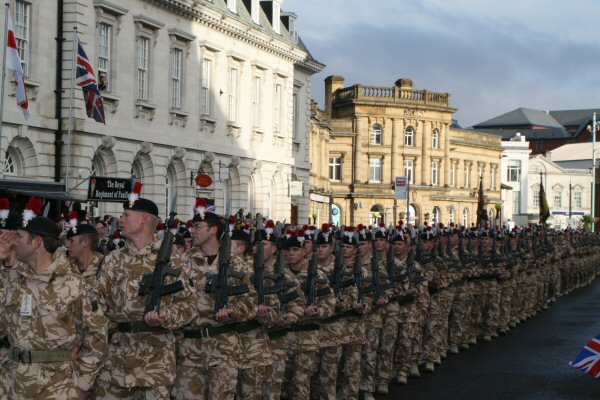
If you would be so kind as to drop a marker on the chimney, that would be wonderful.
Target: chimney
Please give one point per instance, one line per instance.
(290, 20)
(404, 84)
(332, 83)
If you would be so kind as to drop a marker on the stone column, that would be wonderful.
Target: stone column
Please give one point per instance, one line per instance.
(358, 150)
(425, 159)
(394, 156)
(445, 139)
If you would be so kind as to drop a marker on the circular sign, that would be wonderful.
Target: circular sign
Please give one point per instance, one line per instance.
(203, 180)
(335, 211)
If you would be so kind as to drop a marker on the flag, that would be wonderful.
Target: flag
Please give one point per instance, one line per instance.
(481, 213)
(588, 359)
(84, 77)
(544, 209)
(13, 61)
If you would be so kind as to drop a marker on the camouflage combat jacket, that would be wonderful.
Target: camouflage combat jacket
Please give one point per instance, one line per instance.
(90, 277)
(50, 311)
(142, 359)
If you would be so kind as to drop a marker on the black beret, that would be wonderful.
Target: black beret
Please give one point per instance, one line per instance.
(41, 226)
(142, 205)
(240, 234)
(81, 229)
(178, 240)
(12, 222)
(207, 217)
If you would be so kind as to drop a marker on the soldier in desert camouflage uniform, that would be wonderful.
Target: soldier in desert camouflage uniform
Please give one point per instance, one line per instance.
(210, 350)
(57, 340)
(141, 353)
(82, 242)
(305, 334)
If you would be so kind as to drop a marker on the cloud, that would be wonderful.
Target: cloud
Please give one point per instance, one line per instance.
(491, 57)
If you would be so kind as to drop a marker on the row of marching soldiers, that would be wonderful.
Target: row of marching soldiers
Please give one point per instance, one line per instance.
(309, 315)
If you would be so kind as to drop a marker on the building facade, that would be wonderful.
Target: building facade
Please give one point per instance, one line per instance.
(379, 133)
(216, 87)
(515, 181)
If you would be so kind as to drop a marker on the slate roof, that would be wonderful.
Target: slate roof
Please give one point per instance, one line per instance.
(508, 133)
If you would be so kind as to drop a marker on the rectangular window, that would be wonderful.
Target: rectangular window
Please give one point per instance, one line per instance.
(513, 171)
(492, 179)
(578, 202)
(104, 43)
(232, 5)
(408, 170)
(435, 139)
(558, 199)
(22, 20)
(233, 87)
(409, 136)
(142, 67)
(536, 198)
(296, 116)
(467, 173)
(375, 170)
(206, 78)
(516, 200)
(256, 102)
(176, 56)
(255, 11)
(335, 168)
(453, 175)
(277, 108)
(434, 173)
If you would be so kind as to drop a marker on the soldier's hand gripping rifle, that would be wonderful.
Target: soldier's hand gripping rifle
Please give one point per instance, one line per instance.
(311, 290)
(220, 286)
(153, 285)
(391, 264)
(337, 280)
(358, 278)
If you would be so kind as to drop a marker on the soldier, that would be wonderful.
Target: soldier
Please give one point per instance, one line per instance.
(320, 305)
(82, 242)
(291, 309)
(210, 350)
(141, 352)
(57, 340)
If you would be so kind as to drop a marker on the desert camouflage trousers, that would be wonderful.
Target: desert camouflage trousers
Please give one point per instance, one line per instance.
(369, 360)
(41, 381)
(4, 370)
(479, 293)
(218, 382)
(431, 327)
(387, 345)
(460, 315)
(491, 312)
(251, 382)
(275, 373)
(349, 372)
(441, 335)
(298, 370)
(408, 329)
(105, 391)
(325, 373)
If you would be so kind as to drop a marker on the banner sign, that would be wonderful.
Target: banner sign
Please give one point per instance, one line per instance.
(400, 188)
(103, 188)
(295, 188)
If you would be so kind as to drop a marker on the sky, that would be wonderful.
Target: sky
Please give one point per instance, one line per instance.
(491, 56)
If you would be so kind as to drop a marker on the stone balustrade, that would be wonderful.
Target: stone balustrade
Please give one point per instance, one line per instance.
(393, 94)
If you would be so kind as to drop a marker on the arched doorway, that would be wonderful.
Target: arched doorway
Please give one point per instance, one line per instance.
(376, 214)
(412, 216)
(336, 215)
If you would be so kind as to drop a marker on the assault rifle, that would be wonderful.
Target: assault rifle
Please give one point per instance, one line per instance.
(391, 264)
(153, 285)
(494, 255)
(337, 279)
(376, 285)
(220, 286)
(358, 278)
(260, 275)
(312, 280)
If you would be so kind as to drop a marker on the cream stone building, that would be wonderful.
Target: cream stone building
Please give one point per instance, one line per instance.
(375, 134)
(221, 87)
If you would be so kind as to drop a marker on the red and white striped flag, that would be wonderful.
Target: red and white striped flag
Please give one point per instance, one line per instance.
(13, 61)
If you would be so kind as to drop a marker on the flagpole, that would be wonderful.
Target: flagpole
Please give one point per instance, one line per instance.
(6, 11)
(71, 101)
(594, 177)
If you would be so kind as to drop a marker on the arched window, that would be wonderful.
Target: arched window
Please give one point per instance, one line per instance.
(376, 214)
(10, 164)
(435, 139)
(436, 215)
(272, 195)
(136, 169)
(377, 135)
(170, 188)
(412, 215)
(409, 136)
(466, 218)
(451, 216)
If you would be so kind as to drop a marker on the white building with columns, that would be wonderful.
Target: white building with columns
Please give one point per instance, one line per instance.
(220, 87)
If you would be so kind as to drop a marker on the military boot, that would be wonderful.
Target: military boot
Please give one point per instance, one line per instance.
(429, 367)
(401, 378)
(414, 371)
(368, 396)
(382, 388)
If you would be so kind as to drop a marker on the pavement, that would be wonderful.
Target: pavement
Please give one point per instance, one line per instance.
(531, 362)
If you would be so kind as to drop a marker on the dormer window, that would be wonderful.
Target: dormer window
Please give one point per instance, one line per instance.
(232, 5)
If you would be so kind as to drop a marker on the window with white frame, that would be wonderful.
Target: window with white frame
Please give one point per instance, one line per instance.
(206, 86)
(104, 59)
(557, 198)
(435, 139)
(296, 106)
(256, 102)
(408, 170)
(22, 32)
(170, 188)
(233, 95)
(376, 135)
(232, 5)
(467, 174)
(516, 202)
(436, 215)
(375, 170)
(435, 173)
(335, 169)
(409, 136)
(492, 178)
(453, 175)
(513, 171)
(10, 164)
(451, 215)
(577, 199)
(143, 44)
(176, 63)
(277, 108)
(536, 197)
(466, 218)
(255, 11)
(276, 17)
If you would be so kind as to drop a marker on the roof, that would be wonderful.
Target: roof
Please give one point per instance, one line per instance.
(522, 117)
(509, 133)
(572, 152)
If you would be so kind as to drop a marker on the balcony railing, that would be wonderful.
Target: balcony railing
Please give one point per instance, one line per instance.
(391, 94)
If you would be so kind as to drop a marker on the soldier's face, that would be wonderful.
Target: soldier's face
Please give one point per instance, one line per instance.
(324, 251)
(202, 233)
(364, 248)
(101, 230)
(295, 255)
(428, 245)
(453, 240)
(380, 244)
(348, 251)
(131, 223)
(74, 246)
(308, 248)
(400, 248)
(26, 246)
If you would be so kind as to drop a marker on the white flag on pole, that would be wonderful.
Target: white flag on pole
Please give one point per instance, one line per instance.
(13, 61)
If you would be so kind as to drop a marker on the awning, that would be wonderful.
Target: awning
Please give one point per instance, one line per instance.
(505, 186)
(43, 189)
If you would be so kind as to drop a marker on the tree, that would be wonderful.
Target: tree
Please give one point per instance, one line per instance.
(587, 221)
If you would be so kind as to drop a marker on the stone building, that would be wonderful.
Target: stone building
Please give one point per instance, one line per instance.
(379, 133)
(220, 87)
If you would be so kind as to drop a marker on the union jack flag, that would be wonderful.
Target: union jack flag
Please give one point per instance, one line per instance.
(589, 359)
(84, 77)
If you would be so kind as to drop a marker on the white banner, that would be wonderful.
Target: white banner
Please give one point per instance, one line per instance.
(400, 188)
(295, 188)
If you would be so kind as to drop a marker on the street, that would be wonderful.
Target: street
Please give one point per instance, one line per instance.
(530, 362)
